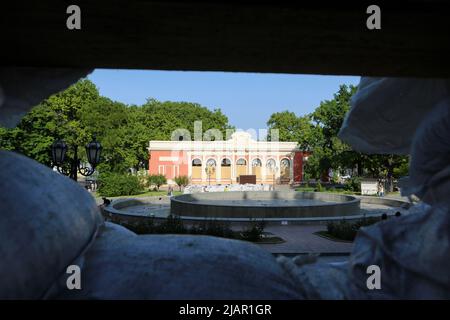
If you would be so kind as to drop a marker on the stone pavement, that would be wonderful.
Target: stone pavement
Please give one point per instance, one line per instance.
(301, 239)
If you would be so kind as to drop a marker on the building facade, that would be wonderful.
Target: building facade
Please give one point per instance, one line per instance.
(223, 162)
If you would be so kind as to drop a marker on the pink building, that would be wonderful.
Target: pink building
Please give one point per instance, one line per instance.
(222, 162)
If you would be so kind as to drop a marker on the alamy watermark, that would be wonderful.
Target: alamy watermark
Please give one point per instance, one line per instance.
(73, 21)
(374, 280)
(74, 279)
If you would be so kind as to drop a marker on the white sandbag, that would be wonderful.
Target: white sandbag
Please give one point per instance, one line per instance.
(413, 251)
(179, 267)
(385, 112)
(47, 221)
(430, 156)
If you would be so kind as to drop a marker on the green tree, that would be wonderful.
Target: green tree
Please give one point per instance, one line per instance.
(116, 184)
(181, 181)
(79, 112)
(156, 180)
(56, 117)
(317, 133)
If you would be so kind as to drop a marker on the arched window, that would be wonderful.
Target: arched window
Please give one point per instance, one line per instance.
(226, 162)
(211, 163)
(226, 169)
(256, 163)
(285, 163)
(271, 164)
(285, 168)
(196, 163)
(241, 162)
(196, 169)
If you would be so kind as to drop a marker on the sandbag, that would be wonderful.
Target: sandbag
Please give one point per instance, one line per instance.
(430, 156)
(121, 266)
(385, 112)
(47, 222)
(21, 88)
(413, 251)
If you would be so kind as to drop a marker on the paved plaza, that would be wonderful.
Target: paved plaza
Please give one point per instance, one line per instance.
(301, 239)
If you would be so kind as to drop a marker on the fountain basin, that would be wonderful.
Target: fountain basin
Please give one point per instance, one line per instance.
(264, 204)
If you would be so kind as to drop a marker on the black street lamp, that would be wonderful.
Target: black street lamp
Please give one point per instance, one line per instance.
(93, 152)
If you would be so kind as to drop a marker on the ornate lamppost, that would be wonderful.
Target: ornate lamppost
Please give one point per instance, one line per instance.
(210, 169)
(71, 169)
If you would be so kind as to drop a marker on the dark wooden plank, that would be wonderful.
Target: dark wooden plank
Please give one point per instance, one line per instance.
(265, 36)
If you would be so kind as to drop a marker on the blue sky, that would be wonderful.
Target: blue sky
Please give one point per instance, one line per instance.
(248, 99)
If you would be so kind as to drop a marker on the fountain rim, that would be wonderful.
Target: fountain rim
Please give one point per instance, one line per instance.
(348, 199)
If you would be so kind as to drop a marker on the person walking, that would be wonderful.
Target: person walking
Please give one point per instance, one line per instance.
(381, 189)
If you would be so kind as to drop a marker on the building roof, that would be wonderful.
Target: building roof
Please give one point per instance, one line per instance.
(240, 141)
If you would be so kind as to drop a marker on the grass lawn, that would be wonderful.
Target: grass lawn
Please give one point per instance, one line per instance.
(144, 194)
(312, 189)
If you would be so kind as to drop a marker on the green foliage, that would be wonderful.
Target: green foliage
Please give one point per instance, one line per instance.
(319, 187)
(79, 112)
(254, 232)
(116, 184)
(174, 225)
(353, 184)
(214, 228)
(317, 133)
(181, 181)
(56, 117)
(156, 180)
(305, 188)
(346, 230)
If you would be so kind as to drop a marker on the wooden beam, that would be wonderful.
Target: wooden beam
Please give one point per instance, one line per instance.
(265, 36)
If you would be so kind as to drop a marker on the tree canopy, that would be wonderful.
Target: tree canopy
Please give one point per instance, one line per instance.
(80, 112)
(317, 133)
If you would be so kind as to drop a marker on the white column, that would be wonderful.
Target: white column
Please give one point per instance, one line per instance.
(263, 169)
(291, 169)
(219, 169)
(204, 177)
(189, 159)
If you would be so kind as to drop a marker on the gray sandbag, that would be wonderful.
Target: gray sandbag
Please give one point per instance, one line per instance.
(121, 266)
(21, 88)
(47, 221)
(385, 112)
(413, 251)
(430, 156)
(323, 281)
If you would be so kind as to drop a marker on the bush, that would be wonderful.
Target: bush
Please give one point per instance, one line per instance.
(115, 184)
(305, 189)
(181, 181)
(213, 228)
(254, 232)
(319, 187)
(174, 225)
(156, 180)
(353, 184)
(346, 230)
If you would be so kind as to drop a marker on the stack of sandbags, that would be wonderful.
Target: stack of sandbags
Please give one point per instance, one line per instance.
(47, 222)
(385, 112)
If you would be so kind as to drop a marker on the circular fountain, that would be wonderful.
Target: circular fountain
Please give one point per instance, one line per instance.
(241, 207)
(264, 205)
